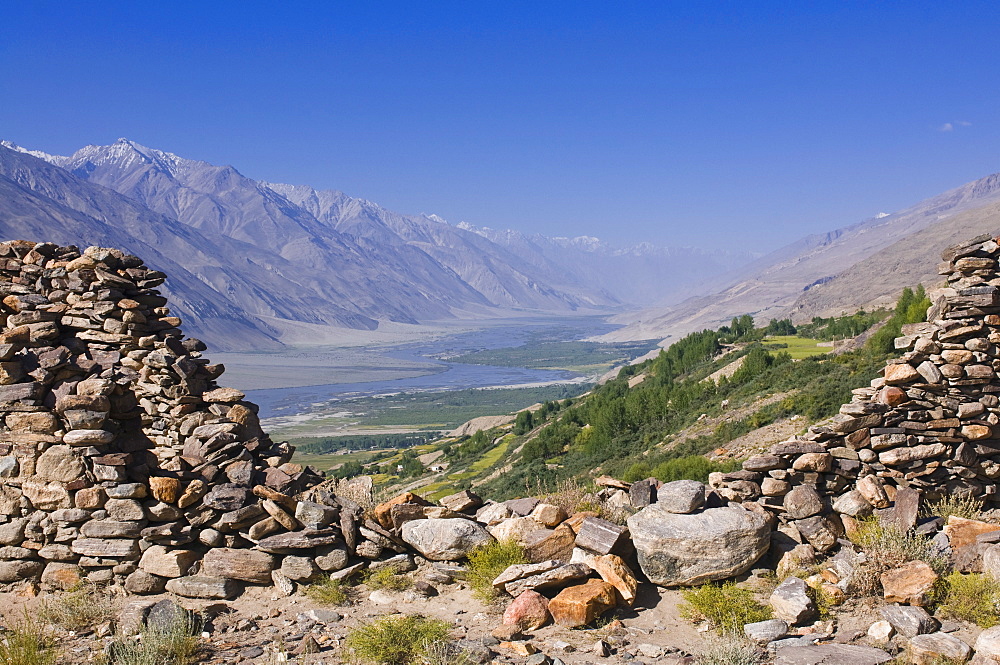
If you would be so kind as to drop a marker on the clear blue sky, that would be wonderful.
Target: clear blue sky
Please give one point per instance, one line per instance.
(745, 123)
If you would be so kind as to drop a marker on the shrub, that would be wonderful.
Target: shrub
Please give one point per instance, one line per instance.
(27, 644)
(731, 649)
(172, 644)
(887, 546)
(974, 598)
(397, 640)
(967, 507)
(327, 592)
(571, 495)
(82, 607)
(387, 578)
(725, 606)
(488, 561)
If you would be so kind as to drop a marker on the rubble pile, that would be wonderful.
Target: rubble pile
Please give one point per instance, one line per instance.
(928, 428)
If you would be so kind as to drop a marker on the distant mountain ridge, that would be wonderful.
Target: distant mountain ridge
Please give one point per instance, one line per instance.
(862, 265)
(250, 261)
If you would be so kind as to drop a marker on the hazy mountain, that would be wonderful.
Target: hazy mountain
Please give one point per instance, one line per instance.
(259, 259)
(847, 268)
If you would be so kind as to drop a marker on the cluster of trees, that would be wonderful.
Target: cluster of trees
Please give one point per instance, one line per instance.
(617, 425)
(841, 327)
(332, 444)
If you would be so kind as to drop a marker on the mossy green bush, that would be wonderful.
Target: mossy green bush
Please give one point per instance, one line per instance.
(397, 640)
(488, 561)
(387, 578)
(726, 606)
(327, 592)
(971, 597)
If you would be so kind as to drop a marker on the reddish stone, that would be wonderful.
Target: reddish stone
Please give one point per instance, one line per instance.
(529, 611)
(579, 605)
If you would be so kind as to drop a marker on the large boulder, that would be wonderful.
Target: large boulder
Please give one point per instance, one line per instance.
(445, 539)
(685, 550)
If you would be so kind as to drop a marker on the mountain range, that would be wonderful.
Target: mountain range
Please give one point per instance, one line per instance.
(864, 265)
(254, 264)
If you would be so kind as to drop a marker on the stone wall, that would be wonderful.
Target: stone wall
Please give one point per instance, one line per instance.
(120, 457)
(927, 428)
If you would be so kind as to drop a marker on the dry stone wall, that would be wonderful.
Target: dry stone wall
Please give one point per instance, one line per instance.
(120, 457)
(927, 428)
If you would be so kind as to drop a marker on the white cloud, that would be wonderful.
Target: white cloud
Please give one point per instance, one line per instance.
(950, 126)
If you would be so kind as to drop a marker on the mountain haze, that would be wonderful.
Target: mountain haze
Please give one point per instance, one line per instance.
(252, 262)
(863, 264)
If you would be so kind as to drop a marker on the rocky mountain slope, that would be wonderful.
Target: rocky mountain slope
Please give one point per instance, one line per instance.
(883, 254)
(272, 258)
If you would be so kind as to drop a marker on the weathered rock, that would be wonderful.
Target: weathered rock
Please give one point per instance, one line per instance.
(463, 501)
(615, 571)
(19, 570)
(601, 536)
(315, 515)
(299, 540)
(579, 605)
(299, 568)
(681, 496)
(791, 602)
(238, 564)
(63, 576)
(445, 539)
(544, 545)
(766, 631)
(932, 648)
(167, 490)
(831, 654)
(548, 515)
(106, 547)
(881, 632)
(802, 502)
(987, 646)
(909, 620)
(559, 576)
(964, 532)
(142, 583)
(515, 529)
(910, 583)
(200, 586)
(158, 560)
(715, 544)
(383, 510)
(529, 611)
(59, 464)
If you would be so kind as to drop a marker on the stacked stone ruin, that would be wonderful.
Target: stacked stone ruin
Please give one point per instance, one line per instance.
(120, 458)
(926, 429)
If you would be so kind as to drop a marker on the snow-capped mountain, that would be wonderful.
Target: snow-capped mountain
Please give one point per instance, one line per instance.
(254, 260)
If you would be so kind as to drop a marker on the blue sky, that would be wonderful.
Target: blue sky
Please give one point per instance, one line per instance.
(746, 124)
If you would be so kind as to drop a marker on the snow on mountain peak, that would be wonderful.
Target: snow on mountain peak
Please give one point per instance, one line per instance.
(52, 159)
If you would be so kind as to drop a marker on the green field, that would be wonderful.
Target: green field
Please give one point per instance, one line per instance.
(415, 411)
(797, 347)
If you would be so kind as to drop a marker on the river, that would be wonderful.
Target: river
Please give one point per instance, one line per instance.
(424, 366)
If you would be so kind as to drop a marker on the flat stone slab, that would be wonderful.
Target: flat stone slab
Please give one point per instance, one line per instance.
(831, 654)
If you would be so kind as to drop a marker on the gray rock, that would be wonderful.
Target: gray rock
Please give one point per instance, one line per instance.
(59, 464)
(557, 577)
(199, 586)
(988, 645)
(445, 539)
(315, 515)
(853, 503)
(909, 620)
(238, 564)
(12, 532)
(791, 601)
(167, 616)
(332, 558)
(112, 529)
(681, 496)
(142, 583)
(715, 544)
(601, 536)
(831, 654)
(936, 647)
(766, 631)
(18, 570)
(127, 491)
(124, 510)
(803, 501)
(299, 568)
(401, 563)
(9, 466)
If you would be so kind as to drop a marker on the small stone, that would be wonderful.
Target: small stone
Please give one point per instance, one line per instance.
(766, 631)
(791, 602)
(881, 631)
(932, 648)
(909, 620)
(681, 496)
(529, 611)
